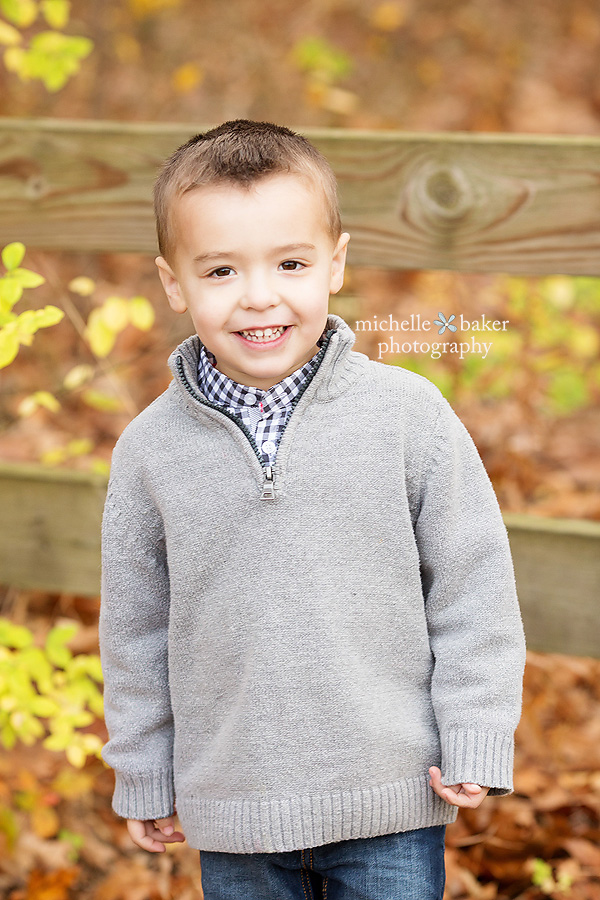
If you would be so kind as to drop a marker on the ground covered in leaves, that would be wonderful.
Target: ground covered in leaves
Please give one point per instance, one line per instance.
(59, 839)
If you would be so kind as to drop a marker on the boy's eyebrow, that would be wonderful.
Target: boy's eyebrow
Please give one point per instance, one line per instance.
(221, 254)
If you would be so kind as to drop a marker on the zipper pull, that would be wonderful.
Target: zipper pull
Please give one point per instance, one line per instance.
(268, 491)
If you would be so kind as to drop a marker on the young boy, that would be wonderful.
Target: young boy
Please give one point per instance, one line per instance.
(309, 628)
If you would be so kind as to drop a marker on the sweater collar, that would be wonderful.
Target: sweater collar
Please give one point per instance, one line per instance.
(339, 367)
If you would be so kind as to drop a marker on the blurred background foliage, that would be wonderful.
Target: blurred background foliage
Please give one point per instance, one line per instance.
(531, 404)
(480, 65)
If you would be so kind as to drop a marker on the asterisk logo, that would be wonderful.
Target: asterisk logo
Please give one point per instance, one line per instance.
(445, 323)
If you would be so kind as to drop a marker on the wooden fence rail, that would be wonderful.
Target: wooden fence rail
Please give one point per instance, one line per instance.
(520, 204)
(50, 539)
(525, 204)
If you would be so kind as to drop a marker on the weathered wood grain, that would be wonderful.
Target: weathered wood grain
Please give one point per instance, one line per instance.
(557, 570)
(50, 539)
(50, 528)
(521, 204)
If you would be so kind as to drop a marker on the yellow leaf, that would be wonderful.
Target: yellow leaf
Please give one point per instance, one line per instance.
(82, 285)
(56, 12)
(79, 447)
(53, 457)
(115, 313)
(187, 77)
(100, 337)
(14, 60)
(77, 376)
(389, 16)
(9, 346)
(583, 341)
(47, 400)
(76, 755)
(70, 784)
(45, 821)
(141, 313)
(100, 467)
(33, 402)
(9, 36)
(101, 401)
(12, 255)
(21, 13)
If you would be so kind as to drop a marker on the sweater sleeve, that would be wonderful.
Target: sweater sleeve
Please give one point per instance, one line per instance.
(473, 616)
(133, 629)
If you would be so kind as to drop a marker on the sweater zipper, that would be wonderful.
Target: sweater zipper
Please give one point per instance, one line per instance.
(268, 488)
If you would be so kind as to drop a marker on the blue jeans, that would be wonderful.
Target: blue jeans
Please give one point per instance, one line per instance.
(404, 866)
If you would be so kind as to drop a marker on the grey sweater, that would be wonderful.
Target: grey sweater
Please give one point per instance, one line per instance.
(286, 653)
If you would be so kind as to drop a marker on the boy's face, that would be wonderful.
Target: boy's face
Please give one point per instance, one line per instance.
(249, 259)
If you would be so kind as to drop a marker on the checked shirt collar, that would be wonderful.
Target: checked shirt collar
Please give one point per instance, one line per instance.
(219, 388)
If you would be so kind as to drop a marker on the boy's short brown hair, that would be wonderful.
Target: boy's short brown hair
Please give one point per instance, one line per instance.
(240, 152)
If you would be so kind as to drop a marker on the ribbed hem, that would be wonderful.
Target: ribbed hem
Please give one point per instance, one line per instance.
(148, 796)
(294, 823)
(481, 757)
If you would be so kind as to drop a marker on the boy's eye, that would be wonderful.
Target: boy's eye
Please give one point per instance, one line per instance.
(291, 262)
(221, 272)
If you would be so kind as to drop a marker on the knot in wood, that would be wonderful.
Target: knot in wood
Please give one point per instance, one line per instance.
(447, 192)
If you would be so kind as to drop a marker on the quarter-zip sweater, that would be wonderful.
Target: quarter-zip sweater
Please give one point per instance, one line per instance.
(287, 650)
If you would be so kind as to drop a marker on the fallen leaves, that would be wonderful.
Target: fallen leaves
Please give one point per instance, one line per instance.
(60, 840)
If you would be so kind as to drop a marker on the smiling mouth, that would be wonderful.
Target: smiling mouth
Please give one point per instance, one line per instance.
(264, 336)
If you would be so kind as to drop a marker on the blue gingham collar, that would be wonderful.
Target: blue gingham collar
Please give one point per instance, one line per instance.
(219, 388)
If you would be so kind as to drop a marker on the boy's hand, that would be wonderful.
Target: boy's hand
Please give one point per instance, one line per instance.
(471, 795)
(152, 835)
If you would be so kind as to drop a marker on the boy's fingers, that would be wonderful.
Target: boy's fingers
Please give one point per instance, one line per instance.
(467, 794)
(149, 837)
(138, 833)
(165, 825)
(163, 830)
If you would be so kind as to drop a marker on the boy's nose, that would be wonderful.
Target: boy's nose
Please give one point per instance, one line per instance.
(259, 293)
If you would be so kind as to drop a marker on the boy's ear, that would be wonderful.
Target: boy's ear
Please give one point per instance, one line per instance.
(171, 285)
(338, 263)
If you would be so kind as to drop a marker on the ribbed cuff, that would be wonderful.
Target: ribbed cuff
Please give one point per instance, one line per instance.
(144, 796)
(480, 757)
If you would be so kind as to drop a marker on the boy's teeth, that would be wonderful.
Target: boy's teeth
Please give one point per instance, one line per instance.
(260, 335)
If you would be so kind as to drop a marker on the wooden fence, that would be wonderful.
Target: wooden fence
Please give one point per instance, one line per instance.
(519, 204)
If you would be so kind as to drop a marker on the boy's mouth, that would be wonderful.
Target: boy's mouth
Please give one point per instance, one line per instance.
(264, 335)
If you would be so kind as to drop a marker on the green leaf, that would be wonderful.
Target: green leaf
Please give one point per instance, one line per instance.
(26, 278)
(33, 319)
(8, 736)
(10, 291)
(54, 57)
(9, 347)
(16, 636)
(567, 391)
(22, 13)
(44, 707)
(57, 653)
(316, 55)
(13, 255)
